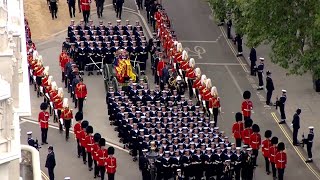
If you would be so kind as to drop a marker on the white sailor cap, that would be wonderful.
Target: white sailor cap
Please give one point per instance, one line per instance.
(221, 142)
(216, 128)
(178, 170)
(208, 149)
(238, 148)
(228, 160)
(228, 148)
(211, 122)
(167, 152)
(67, 178)
(311, 127)
(192, 143)
(29, 132)
(195, 136)
(284, 91)
(141, 130)
(249, 149)
(261, 58)
(145, 150)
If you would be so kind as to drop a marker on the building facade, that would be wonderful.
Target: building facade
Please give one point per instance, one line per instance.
(14, 86)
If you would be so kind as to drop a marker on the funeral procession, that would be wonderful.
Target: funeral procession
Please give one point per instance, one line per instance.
(172, 89)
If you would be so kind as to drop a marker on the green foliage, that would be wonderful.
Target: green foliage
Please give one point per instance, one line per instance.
(219, 7)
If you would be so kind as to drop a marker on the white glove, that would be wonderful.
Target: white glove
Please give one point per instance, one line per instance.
(34, 78)
(199, 97)
(291, 124)
(47, 95)
(175, 65)
(211, 111)
(51, 104)
(180, 71)
(186, 79)
(41, 89)
(194, 91)
(220, 109)
(204, 103)
(61, 121)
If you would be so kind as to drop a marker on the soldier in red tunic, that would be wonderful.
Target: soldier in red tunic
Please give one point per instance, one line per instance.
(82, 138)
(190, 76)
(206, 95)
(81, 94)
(39, 74)
(246, 133)
(266, 144)
(66, 116)
(246, 106)
(63, 60)
(77, 129)
(202, 86)
(44, 81)
(43, 119)
(214, 104)
(197, 82)
(281, 160)
(85, 6)
(89, 145)
(94, 153)
(102, 155)
(255, 142)
(272, 154)
(237, 129)
(161, 65)
(111, 164)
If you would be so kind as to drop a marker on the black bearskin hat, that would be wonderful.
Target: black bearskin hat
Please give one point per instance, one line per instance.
(89, 130)
(248, 123)
(268, 134)
(102, 142)
(84, 124)
(96, 137)
(238, 116)
(246, 95)
(44, 106)
(111, 150)
(281, 146)
(255, 128)
(79, 116)
(274, 140)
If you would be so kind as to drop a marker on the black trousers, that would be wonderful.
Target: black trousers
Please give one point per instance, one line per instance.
(280, 174)
(86, 15)
(110, 176)
(190, 83)
(252, 66)
(90, 161)
(309, 147)
(260, 78)
(95, 169)
(79, 6)
(119, 11)
(269, 95)
(282, 113)
(295, 136)
(255, 153)
(139, 3)
(274, 170)
(99, 9)
(102, 171)
(67, 124)
(80, 103)
(84, 154)
(238, 142)
(229, 32)
(51, 173)
(266, 160)
(78, 148)
(72, 10)
(54, 9)
(44, 135)
(215, 112)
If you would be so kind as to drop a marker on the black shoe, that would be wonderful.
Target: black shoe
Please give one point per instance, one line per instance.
(46, 142)
(309, 161)
(42, 143)
(90, 169)
(84, 162)
(296, 144)
(268, 172)
(282, 122)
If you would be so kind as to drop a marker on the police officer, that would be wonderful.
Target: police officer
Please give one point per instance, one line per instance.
(229, 25)
(260, 73)
(269, 87)
(309, 142)
(144, 165)
(281, 103)
(253, 60)
(50, 162)
(53, 9)
(238, 41)
(296, 126)
(31, 141)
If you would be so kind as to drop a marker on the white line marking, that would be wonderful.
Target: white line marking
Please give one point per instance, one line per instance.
(143, 20)
(189, 41)
(21, 122)
(108, 142)
(234, 80)
(222, 64)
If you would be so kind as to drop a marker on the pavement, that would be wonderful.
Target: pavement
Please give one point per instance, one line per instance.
(207, 43)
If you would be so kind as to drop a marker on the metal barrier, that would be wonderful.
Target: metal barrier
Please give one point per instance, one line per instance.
(30, 163)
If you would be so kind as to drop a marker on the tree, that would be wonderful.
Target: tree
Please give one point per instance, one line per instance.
(219, 8)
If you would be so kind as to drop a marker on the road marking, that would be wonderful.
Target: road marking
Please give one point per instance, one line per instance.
(186, 41)
(234, 80)
(275, 118)
(143, 20)
(221, 64)
(196, 52)
(108, 142)
(44, 176)
(21, 122)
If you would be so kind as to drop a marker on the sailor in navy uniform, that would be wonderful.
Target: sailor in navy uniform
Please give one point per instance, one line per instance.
(309, 142)
(186, 162)
(197, 164)
(218, 157)
(31, 141)
(82, 56)
(237, 160)
(143, 56)
(260, 73)
(166, 163)
(281, 103)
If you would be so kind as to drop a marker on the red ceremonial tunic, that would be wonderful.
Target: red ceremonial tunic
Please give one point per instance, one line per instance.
(82, 139)
(281, 160)
(63, 60)
(95, 150)
(266, 144)
(81, 90)
(102, 155)
(85, 5)
(184, 65)
(45, 82)
(111, 165)
(207, 95)
(255, 141)
(39, 71)
(77, 129)
(160, 66)
(196, 83)
(58, 104)
(190, 73)
(43, 119)
(246, 133)
(178, 57)
(214, 102)
(272, 153)
(89, 143)
(246, 108)
(237, 129)
(66, 114)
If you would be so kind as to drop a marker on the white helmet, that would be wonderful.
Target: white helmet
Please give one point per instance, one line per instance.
(65, 102)
(203, 78)
(179, 47)
(40, 62)
(54, 85)
(46, 70)
(214, 91)
(208, 83)
(50, 79)
(198, 72)
(184, 55)
(192, 62)
(35, 54)
(60, 92)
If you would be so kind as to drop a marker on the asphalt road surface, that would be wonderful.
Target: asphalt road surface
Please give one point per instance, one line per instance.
(207, 44)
